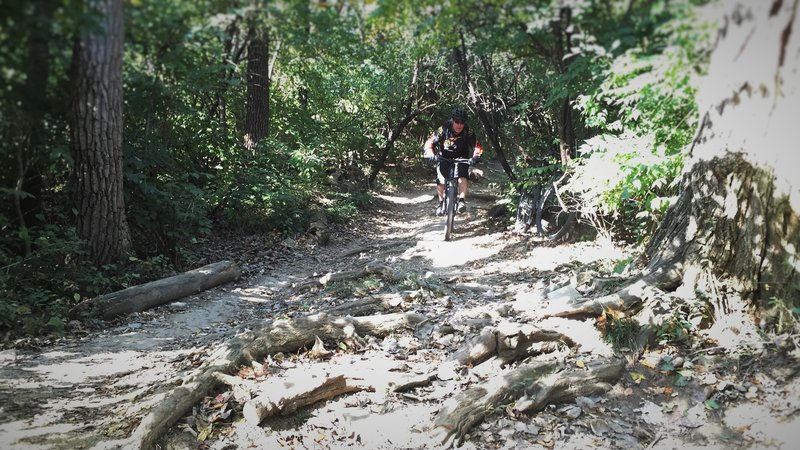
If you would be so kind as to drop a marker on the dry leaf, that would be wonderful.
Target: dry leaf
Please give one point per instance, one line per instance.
(318, 350)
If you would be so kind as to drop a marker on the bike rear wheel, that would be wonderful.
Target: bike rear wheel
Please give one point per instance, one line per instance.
(526, 209)
(552, 220)
(450, 210)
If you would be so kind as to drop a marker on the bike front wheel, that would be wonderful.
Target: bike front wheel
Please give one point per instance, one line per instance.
(450, 210)
(552, 220)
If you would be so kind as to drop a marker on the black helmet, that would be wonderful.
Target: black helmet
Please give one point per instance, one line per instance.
(459, 114)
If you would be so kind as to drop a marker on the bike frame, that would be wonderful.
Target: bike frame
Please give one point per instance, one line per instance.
(541, 203)
(451, 194)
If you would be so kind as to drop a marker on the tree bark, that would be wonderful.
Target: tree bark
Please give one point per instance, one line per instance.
(149, 295)
(96, 135)
(258, 84)
(726, 221)
(562, 38)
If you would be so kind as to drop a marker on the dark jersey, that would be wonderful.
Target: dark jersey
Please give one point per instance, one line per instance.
(445, 142)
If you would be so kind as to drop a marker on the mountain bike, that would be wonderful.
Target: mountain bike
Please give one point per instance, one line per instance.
(451, 194)
(541, 203)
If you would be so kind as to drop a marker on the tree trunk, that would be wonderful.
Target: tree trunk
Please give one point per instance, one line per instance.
(562, 38)
(727, 221)
(729, 244)
(96, 135)
(409, 113)
(34, 108)
(736, 219)
(257, 114)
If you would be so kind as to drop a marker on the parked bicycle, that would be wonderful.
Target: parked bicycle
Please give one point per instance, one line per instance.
(542, 203)
(451, 194)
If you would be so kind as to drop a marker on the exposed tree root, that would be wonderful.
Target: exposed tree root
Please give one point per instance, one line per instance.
(275, 336)
(374, 267)
(510, 342)
(285, 395)
(529, 387)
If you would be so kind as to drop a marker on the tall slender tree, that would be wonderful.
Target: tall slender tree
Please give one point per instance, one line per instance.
(562, 38)
(30, 129)
(96, 134)
(257, 108)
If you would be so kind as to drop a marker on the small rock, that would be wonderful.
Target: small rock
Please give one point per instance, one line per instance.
(531, 429)
(709, 378)
(599, 426)
(752, 393)
(564, 294)
(570, 411)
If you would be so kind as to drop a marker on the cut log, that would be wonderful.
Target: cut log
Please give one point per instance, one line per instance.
(530, 387)
(155, 293)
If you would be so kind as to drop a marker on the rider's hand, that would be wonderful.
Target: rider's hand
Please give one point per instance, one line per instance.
(474, 160)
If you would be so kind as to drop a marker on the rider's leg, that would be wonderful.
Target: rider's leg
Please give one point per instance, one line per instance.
(440, 191)
(463, 185)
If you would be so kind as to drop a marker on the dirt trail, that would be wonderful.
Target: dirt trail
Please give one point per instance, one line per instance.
(91, 390)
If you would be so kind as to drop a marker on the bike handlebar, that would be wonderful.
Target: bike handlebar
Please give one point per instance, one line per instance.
(455, 160)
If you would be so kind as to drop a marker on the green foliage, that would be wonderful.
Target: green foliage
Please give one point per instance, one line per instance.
(341, 77)
(36, 292)
(621, 332)
(345, 206)
(674, 331)
(645, 114)
(684, 318)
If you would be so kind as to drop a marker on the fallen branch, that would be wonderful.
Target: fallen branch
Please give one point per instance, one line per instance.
(630, 298)
(155, 293)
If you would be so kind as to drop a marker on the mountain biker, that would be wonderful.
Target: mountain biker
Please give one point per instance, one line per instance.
(454, 139)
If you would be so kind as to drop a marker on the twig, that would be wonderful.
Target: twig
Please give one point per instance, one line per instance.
(658, 437)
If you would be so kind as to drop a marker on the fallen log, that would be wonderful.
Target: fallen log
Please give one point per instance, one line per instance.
(530, 387)
(155, 293)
